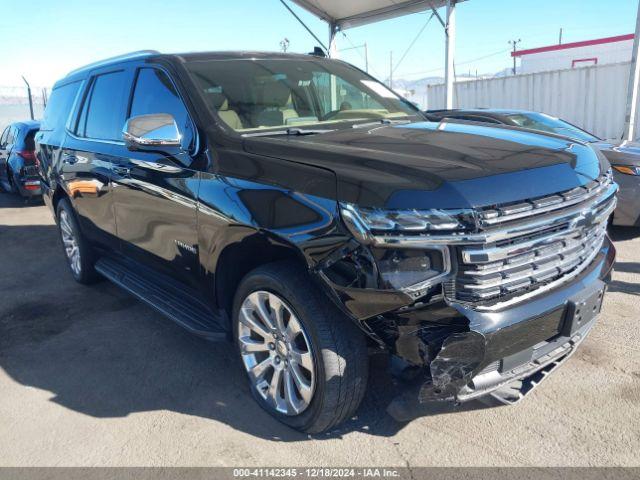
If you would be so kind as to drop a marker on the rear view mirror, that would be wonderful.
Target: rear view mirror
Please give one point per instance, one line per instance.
(153, 130)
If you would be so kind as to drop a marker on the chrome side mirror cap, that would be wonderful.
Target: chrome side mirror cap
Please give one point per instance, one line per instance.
(153, 130)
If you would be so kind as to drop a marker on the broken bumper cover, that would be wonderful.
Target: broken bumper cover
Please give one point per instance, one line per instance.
(507, 353)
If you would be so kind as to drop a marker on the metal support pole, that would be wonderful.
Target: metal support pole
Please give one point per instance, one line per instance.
(366, 58)
(30, 100)
(333, 53)
(633, 92)
(391, 70)
(450, 33)
(333, 48)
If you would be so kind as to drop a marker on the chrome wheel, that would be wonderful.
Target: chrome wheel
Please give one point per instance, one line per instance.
(70, 242)
(276, 353)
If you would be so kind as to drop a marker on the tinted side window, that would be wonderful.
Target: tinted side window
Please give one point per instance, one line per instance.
(154, 93)
(60, 102)
(12, 135)
(105, 113)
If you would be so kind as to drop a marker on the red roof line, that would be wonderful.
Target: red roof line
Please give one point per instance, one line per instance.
(564, 46)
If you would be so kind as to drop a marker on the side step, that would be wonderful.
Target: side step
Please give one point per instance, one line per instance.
(165, 295)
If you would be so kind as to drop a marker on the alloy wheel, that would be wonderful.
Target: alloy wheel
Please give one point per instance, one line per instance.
(70, 242)
(276, 353)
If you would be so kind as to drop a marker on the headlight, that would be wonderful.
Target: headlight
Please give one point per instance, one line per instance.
(365, 220)
(627, 169)
(412, 270)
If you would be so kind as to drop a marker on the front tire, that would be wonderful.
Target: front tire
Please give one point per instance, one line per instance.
(78, 252)
(307, 363)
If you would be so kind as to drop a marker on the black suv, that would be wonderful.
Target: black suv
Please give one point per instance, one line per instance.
(296, 205)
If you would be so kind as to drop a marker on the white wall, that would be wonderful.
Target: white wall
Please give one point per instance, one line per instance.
(616, 52)
(593, 98)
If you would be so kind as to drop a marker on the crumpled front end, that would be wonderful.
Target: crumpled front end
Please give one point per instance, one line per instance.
(510, 302)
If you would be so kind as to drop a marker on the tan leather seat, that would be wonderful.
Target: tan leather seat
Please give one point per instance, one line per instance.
(230, 117)
(220, 103)
(277, 105)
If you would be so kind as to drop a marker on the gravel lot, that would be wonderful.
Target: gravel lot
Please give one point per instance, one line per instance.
(89, 376)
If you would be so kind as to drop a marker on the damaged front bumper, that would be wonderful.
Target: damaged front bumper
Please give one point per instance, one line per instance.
(448, 351)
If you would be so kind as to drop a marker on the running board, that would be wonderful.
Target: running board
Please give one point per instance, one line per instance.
(165, 295)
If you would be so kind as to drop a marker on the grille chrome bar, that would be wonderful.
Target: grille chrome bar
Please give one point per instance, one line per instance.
(535, 222)
(552, 253)
(538, 206)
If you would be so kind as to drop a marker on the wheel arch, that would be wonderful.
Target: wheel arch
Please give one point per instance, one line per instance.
(240, 257)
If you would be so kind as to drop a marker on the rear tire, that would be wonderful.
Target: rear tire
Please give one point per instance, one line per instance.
(317, 337)
(79, 255)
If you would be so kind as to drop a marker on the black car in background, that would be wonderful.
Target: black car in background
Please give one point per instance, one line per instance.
(624, 157)
(18, 168)
(299, 207)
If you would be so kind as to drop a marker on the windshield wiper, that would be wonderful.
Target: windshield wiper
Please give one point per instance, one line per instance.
(382, 121)
(288, 131)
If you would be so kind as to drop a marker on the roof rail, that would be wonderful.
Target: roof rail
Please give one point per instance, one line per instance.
(125, 56)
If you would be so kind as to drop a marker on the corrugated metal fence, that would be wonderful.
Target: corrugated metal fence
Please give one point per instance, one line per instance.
(593, 98)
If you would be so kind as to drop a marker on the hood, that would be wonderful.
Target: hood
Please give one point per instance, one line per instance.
(439, 165)
(625, 153)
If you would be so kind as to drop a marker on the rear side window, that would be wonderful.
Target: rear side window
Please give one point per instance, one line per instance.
(102, 115)
(154, 93)
(59, 106)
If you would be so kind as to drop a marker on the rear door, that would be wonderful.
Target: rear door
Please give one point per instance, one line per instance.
(155, 192)
(87, 154)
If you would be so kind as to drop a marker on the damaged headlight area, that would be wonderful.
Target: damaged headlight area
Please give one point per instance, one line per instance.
(414, 270)
(411, 270)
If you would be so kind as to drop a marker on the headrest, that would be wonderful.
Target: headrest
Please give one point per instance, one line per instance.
(216, 99)
(275, 94)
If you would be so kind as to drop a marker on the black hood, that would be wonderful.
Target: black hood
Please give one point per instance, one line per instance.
(439, 165)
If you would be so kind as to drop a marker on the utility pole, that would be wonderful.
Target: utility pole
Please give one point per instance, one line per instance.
(44, 97)
(514, 44)
(30, 100)
(560, 37)
(391, 70)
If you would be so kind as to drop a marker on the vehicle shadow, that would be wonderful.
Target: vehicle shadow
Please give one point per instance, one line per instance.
(104, 354)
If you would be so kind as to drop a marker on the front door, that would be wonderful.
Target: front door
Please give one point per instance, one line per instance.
(155, 191)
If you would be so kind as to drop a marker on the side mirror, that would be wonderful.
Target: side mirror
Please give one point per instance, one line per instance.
(153, 130)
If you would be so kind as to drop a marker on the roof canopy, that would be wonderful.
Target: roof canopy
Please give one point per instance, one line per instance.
(354, 13)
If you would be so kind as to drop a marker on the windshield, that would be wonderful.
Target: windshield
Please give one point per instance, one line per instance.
(260, 94)
(547, 123)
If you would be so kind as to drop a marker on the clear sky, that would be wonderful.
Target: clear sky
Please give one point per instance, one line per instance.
(55, 36)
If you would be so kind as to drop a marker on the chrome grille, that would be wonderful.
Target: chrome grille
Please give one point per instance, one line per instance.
(534, 243)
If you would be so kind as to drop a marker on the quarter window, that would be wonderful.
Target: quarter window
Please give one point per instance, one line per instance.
(59, 105)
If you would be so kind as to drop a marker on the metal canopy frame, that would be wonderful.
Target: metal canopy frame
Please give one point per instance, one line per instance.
(344, 14)
(633, 92)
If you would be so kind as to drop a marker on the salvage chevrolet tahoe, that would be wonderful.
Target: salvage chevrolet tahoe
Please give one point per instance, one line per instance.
(299, 207)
